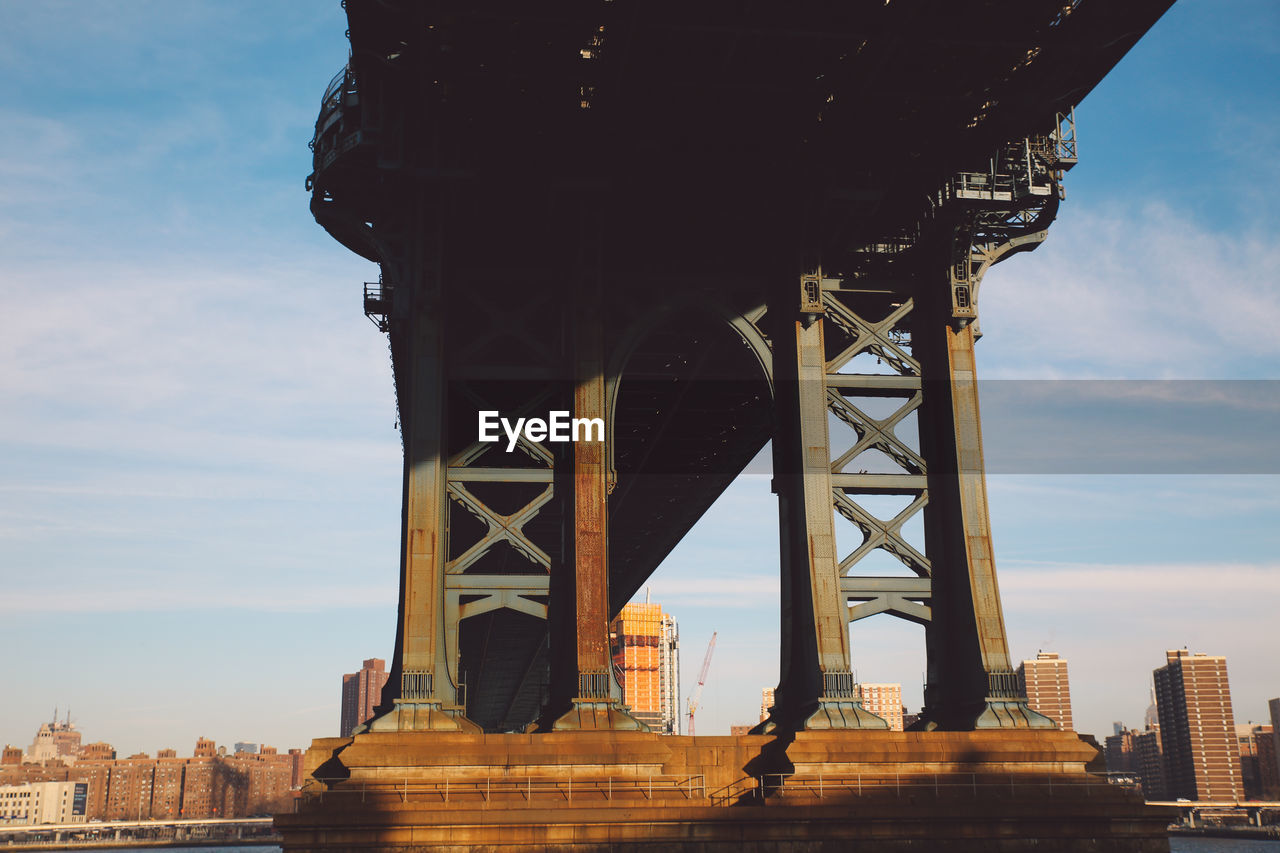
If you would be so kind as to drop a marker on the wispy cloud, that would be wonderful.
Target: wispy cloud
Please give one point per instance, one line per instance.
(1091, 497)
(1036, 583)
(1140, 292)
(169, 345)
(1143, 426)
(180, 595)
(736, 591)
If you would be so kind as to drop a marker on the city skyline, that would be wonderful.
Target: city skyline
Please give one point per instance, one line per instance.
(61, 728)
(202, 472)
(212, 782)
(75, 748)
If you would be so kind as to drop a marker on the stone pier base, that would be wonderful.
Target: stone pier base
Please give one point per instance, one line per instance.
(952, 792)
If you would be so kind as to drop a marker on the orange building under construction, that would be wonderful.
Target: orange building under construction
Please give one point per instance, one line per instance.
(646, 659)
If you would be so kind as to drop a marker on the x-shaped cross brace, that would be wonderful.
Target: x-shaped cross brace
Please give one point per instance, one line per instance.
(883, 534)
(501, 527)
(873, 337)
(875, 433)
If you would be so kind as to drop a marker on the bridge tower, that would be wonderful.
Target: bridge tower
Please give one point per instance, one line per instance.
(705, 229)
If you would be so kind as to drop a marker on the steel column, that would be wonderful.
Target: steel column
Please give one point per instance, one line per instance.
(597, 703)
(970, 681)
(817, 689)
(504, 490)
(426, 697)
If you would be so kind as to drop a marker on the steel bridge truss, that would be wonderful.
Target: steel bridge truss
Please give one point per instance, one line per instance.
(907, 300)
(925, 449)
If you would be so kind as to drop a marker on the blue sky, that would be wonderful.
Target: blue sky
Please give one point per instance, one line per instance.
(199, 471)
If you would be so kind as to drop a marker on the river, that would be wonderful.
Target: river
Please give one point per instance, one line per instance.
(1177, 845)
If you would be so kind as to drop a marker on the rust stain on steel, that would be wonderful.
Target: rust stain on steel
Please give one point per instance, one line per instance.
(590, 477)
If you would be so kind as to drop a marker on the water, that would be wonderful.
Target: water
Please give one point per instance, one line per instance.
(1183, 844)
(1178, 845)
(206, 849)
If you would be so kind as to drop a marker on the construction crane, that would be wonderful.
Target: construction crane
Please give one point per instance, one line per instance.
(702, 679)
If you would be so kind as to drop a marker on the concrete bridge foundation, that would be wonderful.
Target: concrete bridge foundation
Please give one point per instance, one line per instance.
(636, 791)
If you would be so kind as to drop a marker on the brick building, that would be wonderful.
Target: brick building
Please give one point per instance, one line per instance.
(1150, 764)
(296, 758)
(271, 777)
(361, 693)
(1197, 729)
(1120, 754)
(1257, 761)
(207, 786)
(166, 789)
(1268, 768)
(1136, 753)
(1044, 682)
(885, 701)
(129, 788)
(97, 751)
(1273, 705)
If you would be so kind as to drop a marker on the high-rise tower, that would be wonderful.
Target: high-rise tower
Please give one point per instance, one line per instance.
(1273, 706)
(55, 739)
(1044, 682)
(361, 692)
(646, 657)
(1197, 730)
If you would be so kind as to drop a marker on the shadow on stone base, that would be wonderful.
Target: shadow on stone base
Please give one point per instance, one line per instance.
(953, 792)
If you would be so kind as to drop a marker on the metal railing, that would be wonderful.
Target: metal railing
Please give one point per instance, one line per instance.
(542, 791)
(333, 91)
(511, 789)
(332, 137)
(984, 185)
(331, 103)
(822, 786)
(377, 303)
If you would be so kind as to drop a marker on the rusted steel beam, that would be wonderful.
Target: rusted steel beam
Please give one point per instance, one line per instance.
(597, 703)
(590, 499)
